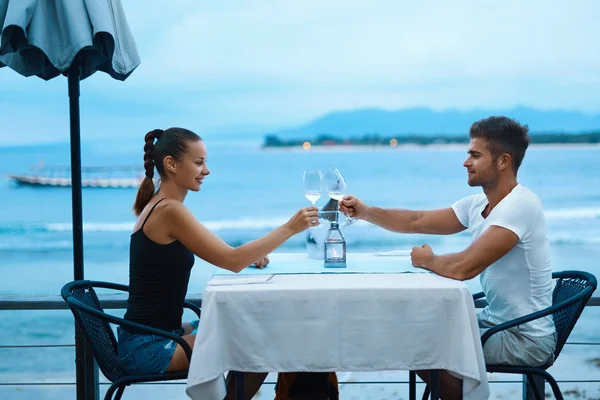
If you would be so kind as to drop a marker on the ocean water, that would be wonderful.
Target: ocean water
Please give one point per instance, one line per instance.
(249, 192)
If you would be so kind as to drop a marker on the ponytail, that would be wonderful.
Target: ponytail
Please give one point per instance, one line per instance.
(172, 142)
(147, 189)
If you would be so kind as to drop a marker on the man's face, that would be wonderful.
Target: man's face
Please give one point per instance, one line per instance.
(480, 165)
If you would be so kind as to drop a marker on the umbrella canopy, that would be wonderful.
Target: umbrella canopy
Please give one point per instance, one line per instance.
(44, 38)
(75, 38)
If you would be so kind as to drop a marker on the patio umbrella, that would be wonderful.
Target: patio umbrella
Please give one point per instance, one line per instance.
(74, 38)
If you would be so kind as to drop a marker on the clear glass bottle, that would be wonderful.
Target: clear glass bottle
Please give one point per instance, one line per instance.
(335, 248)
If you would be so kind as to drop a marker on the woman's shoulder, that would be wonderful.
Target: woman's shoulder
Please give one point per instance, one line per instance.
(156, 211)
(161, 208)
(163, 213)
(166, 202)
(169, 206)
(173, 210)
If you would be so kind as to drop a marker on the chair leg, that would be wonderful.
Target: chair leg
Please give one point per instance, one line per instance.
(550, 379)
(412, 385)
(536, 392)
(110, 391)
(120, 392)
(555, 389)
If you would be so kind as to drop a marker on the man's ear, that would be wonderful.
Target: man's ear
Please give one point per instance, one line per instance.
(504, 161)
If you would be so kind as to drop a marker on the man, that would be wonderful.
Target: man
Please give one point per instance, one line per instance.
(509, 252)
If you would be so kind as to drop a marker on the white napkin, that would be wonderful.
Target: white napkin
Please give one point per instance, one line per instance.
(226, 280)
(393, 253)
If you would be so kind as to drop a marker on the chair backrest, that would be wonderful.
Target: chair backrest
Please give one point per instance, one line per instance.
(80, 295)
(571, 286)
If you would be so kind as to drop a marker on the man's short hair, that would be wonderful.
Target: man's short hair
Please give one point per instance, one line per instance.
(504, 135)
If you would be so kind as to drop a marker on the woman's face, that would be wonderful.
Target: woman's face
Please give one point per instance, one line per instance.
(191, 169)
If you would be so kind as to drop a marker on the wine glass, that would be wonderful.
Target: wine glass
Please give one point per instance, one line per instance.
(336, 188)
(335, 185)
(312, 183)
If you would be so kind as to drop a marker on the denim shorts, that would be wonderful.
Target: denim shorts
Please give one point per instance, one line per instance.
(142, 354)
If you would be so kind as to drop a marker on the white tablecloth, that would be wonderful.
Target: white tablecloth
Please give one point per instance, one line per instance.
(337, 322)
(356, 263)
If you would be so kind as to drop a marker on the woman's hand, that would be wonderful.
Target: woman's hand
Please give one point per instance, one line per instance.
(305, 218)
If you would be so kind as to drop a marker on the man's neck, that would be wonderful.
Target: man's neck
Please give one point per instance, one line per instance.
(498, 192)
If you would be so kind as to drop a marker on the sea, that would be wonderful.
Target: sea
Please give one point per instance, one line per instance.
(249, 192)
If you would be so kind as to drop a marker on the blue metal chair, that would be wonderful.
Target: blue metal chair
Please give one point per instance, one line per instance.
(571, 293)
(95, 324)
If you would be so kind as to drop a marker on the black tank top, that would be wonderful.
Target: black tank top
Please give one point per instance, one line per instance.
(158, 280)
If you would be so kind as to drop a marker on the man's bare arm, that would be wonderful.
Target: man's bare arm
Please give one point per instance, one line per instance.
(437, 222)
(488, 248)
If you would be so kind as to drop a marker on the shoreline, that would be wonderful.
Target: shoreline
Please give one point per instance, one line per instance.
(444, 146)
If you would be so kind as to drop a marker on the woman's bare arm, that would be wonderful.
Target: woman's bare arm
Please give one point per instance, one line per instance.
(183, 226)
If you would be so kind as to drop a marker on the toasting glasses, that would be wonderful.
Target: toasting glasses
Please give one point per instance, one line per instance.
(336, 188)
(312, 183)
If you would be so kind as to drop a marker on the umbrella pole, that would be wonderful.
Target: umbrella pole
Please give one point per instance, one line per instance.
(76, 173)
(86, 368)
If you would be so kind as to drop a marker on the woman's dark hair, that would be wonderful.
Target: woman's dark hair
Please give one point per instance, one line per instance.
(172, 142)
(504, 135)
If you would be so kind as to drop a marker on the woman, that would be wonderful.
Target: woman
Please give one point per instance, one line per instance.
(163, 244)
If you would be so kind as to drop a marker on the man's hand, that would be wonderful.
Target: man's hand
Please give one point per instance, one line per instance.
(353, 207)
(421, 256)
(260, 264)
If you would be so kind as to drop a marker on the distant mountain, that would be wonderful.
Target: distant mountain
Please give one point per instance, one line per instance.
(424, 121)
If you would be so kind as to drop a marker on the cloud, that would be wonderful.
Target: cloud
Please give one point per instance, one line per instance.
(287, 61)
(276, 63)
(359, 44)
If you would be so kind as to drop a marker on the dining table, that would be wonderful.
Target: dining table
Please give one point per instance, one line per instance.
(379, 313)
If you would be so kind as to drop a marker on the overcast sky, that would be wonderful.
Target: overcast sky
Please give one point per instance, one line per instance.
(236, 66)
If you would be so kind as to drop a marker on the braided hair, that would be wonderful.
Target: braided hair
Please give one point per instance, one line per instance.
(149, 151)
(159, 144)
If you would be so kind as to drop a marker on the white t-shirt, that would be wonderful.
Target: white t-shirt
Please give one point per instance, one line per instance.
(520, 282)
